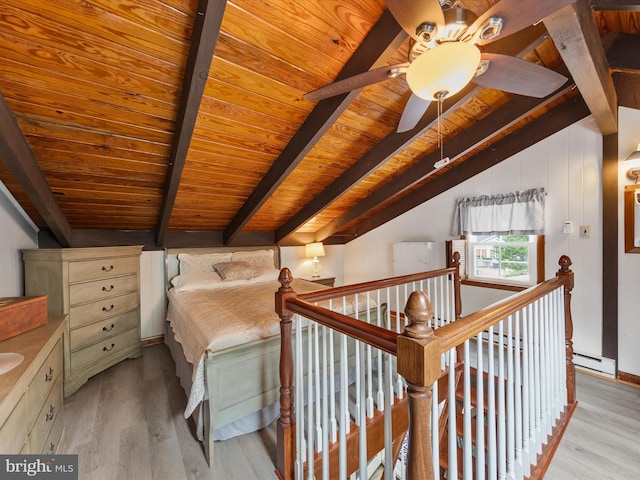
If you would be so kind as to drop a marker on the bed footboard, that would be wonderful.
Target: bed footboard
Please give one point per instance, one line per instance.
(243, 380)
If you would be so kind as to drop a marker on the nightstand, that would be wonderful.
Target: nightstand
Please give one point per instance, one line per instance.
(328, 281)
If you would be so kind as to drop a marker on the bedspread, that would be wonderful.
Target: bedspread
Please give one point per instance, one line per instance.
(222, 318)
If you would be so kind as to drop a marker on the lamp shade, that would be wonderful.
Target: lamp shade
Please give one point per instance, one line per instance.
(315, 249)
(444, 70)
(634, 155)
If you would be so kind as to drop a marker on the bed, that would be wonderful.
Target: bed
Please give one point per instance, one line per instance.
(224, 337)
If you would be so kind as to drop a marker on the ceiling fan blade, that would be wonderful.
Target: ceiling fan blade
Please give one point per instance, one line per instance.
(357, 81)
(410, 14)
(514, 75)
(413, 112)
(516, 15)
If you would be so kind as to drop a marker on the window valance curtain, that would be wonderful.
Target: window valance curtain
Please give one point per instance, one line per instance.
(516, 213)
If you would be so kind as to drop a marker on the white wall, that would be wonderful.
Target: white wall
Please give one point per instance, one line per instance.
(153, 299)
(18, 232)
(331, 265)
(568, 165)
(628, 263)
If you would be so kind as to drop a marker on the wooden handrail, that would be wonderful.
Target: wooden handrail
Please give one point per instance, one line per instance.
(368, 333)
(376, 284)
(455, 333)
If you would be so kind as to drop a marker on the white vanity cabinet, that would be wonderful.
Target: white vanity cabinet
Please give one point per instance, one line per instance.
(31, 405)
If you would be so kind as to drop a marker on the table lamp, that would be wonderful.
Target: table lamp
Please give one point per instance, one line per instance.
(314, 250)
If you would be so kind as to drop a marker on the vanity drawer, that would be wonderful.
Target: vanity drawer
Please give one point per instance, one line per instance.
(102, 310)
(82, 271)
(40, 386)
(55, 435)
(102, 289)
(104, 350)
(14, 430)
(50, 410)
(99, 331)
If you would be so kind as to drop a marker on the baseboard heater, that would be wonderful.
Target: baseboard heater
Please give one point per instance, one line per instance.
(600, 365)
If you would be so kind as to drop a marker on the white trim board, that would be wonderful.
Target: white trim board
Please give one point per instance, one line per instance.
(600, 365)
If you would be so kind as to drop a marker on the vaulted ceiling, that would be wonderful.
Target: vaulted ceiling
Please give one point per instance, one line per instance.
(184, 122)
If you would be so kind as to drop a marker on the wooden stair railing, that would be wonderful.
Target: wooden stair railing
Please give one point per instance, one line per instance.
(287, 303)
(419, 350)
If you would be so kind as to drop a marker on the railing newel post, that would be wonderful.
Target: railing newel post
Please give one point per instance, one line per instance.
(286, 432)
(419, 364)
(567, 274)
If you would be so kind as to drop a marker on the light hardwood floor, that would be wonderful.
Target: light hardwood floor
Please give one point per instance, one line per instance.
(126, 423)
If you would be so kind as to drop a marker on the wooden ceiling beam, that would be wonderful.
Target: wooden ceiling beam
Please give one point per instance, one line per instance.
(562, 116)
(622, 51)
(490, 126)
(616, 5)
(627, 85)
(206, 27)
(19, 159)
(575, 33)
(518, 44)
(382, 41)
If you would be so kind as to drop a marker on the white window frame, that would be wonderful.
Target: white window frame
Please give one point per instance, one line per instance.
(532, 246)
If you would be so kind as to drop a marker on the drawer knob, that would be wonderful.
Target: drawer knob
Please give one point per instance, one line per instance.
(108, 349)
(105, 289)
(105, 309)
(49, 376)
(49, 416)
(108, 329)
(107, 269)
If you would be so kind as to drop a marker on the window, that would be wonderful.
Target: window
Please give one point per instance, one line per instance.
(503, 258)
(512, 262)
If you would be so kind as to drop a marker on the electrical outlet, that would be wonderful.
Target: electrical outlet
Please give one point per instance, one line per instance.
(585, 231)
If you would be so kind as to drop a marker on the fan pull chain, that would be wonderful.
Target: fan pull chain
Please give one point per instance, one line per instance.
(440, 98)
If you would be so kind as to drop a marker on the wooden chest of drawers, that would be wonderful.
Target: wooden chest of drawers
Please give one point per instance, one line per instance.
(31, 406)
(98, 288)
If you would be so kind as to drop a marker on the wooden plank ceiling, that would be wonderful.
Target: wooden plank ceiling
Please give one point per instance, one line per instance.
(183, 122)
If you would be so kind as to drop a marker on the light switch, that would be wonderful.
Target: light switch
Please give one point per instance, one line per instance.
(585, 231)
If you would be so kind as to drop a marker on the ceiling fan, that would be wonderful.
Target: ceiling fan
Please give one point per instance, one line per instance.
(444, 54)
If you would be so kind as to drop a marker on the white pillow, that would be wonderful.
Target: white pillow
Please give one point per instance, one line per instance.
(236, 271)
(195, 281)
(201, 262)
(257, 258)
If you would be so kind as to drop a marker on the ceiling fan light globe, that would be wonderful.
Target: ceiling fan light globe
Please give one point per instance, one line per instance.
(447, 67)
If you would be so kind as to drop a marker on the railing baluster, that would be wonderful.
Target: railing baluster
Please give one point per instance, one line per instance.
(511, 446)
(502, 441)
(310, 419)
(518, 395)
(345, 422)
(362, 415)
(480, 425)
(316, 377)
(299, 401)
(467, 451)
(369, 363)
(333, 422)
(451, 404)
(325, 407)
(435, 432)
(492, 451)
(379, 357)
